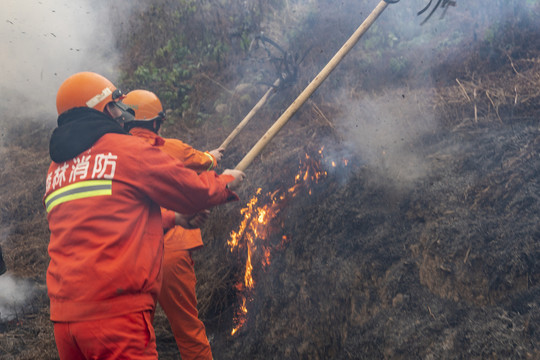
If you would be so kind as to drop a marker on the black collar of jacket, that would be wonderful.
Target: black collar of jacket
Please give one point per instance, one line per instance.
(78, 129)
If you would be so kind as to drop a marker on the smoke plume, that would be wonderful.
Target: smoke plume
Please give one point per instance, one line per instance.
(44, 42)
(14, 295)
(384, 129)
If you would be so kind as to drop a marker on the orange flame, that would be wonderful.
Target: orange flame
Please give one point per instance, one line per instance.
(242, 319)
(248, 279)
(254, 228)
(247, 212)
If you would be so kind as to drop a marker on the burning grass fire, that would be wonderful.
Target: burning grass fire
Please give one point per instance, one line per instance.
(252, 239)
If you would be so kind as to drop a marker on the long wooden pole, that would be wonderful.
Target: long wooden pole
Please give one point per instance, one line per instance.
(248, 117)
(310, 89)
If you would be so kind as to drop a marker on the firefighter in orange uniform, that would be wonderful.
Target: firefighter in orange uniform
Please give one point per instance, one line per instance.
(103, 194)
(177, 297)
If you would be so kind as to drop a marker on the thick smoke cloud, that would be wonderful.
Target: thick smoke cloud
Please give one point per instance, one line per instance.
(43, 42)
(384, 129)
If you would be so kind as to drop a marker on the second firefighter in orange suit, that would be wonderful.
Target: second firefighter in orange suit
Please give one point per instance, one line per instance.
(177, 297)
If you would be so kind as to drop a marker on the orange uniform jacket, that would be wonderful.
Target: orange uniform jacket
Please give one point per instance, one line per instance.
(193, 159)
(178, 238)
(106, 243)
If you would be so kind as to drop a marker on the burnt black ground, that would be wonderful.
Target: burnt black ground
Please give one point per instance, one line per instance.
(445, 269)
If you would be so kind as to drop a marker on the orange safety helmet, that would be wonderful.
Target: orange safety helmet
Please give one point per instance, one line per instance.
(145, 105)
(86, 89)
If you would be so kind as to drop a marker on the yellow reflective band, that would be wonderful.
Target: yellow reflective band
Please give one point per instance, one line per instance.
(80, 190)
(211, 159)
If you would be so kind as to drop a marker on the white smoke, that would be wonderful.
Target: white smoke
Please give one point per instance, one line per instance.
(14, 295)
(385, 129)
(44, 42)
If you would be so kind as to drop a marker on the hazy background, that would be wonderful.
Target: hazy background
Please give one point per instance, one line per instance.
(44, 42)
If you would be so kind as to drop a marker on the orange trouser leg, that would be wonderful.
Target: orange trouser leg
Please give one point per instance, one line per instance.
(179, 301)
(129, 336)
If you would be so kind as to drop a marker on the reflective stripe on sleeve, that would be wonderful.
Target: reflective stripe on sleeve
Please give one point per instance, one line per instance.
(80, 190)
(211, 159)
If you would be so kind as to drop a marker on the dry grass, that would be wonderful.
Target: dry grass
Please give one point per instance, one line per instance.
(511, 92)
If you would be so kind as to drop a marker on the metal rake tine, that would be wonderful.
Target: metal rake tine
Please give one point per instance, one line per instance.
(424, 9)
(432, 11)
